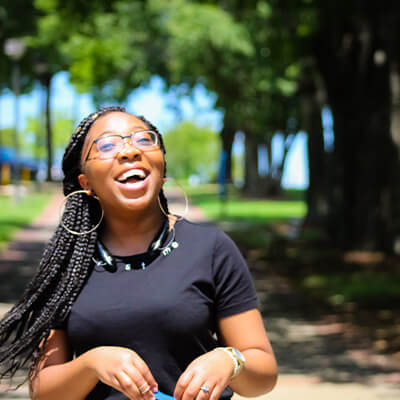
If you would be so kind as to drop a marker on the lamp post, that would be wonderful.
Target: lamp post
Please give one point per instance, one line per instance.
(15, 49)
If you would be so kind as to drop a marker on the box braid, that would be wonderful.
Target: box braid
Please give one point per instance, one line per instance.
(64, 268)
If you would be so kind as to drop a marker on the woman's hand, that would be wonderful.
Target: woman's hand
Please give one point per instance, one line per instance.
(212, 370)
(124, 370)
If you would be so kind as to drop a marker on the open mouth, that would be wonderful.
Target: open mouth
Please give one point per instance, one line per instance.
(133, 176)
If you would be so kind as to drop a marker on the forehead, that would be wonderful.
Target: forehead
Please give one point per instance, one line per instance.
(116, 122)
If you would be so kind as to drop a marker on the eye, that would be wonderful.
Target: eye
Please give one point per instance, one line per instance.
(107, 144)
(144, 138)
(106, 147)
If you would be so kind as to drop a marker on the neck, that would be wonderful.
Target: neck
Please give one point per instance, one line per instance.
(127, 236)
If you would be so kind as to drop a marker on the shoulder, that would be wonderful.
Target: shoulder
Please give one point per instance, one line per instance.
(209, 238)
(206, 229)
(206, 232)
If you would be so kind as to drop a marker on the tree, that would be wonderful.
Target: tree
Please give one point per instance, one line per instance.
(62, 129)
(16, 20)
(356, 55)
(205, 44)
(351, 49)
(192, 150)
(227, 44)
(52, 29)
(268, 62)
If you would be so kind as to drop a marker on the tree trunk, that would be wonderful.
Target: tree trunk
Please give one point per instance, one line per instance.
(364, 196)
(227, 136)
(251, 178)
(49, 136)
(311, 122)
(271, 183)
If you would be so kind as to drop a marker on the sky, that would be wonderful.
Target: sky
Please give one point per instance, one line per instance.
(162, 109)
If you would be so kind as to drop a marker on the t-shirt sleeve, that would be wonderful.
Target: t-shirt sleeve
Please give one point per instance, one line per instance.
(62, 325)
(234, 287)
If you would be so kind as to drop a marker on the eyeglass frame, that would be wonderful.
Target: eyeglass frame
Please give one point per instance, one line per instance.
(155, 147)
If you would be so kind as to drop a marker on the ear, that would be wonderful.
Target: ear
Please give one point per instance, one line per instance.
(163, 181)
(83, 181)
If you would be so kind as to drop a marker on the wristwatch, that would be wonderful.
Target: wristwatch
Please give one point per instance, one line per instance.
(237, 358)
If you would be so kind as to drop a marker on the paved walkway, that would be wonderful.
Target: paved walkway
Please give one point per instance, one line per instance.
(315, 362)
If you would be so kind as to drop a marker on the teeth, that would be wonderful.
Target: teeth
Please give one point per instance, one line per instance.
(132, 173)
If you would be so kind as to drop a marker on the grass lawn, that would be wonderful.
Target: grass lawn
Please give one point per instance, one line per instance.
(239, 209)
(362, 287)
(15, 216)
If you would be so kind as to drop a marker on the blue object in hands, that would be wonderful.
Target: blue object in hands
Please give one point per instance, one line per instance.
(162, 396)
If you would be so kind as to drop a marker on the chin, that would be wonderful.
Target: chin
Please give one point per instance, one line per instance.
(142, 203)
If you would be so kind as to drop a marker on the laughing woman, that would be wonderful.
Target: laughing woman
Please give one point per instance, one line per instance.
(130, 301)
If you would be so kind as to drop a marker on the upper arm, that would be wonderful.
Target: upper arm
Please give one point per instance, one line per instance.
(244, 331)
(57, 349)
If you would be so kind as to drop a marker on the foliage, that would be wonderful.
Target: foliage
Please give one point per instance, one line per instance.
(196, 32)
(191, 150)
(34, 142)
(104, 42)
(242, 53)
(6, 137)
(226, 45)
(17, 20)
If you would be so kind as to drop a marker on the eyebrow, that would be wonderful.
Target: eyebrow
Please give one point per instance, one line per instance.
(138, 128)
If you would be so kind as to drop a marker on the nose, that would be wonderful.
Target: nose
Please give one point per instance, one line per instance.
(129, 151)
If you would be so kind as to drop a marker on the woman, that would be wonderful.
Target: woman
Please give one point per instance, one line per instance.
(128, 298)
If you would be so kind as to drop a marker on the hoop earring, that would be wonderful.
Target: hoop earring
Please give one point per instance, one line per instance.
(76, 232)
(186, 209)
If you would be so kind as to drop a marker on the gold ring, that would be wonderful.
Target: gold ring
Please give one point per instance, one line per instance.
(144, 388)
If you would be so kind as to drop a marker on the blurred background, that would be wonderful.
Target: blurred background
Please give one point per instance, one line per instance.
(281, 120)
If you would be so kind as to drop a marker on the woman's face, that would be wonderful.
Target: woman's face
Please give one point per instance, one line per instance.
(132, 179)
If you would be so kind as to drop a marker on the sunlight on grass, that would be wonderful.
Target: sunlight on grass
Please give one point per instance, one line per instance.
(238, 209)
(256, 211)
(15, 216)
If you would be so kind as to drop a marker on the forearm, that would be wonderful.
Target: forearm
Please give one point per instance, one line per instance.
(72, 380)
(258, 376)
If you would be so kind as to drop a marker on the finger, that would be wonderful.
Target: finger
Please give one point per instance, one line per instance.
(205, 391)
(137, 377)
(127, 386)
(182, 383)
(141, 383)
(215, 393)
(192, 390)
(145, 373)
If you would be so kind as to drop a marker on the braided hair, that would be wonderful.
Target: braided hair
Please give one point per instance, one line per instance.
(64, 267)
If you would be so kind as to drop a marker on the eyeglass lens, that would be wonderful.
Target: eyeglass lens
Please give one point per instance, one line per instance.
(109, 146)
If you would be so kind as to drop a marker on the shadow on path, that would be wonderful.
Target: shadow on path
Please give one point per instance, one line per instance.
(18, 263)
(325, 348)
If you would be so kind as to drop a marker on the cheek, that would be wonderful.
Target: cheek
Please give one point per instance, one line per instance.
(96, 175)
(162, 168)
(159, 164)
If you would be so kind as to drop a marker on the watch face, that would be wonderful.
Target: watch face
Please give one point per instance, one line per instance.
(238, 354)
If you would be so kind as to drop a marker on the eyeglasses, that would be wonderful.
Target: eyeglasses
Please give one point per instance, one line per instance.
(109, 146)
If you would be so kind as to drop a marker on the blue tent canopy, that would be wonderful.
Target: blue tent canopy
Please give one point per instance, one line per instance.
(7, 155)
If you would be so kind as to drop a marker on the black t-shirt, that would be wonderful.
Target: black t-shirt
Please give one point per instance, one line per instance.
(167, 312)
